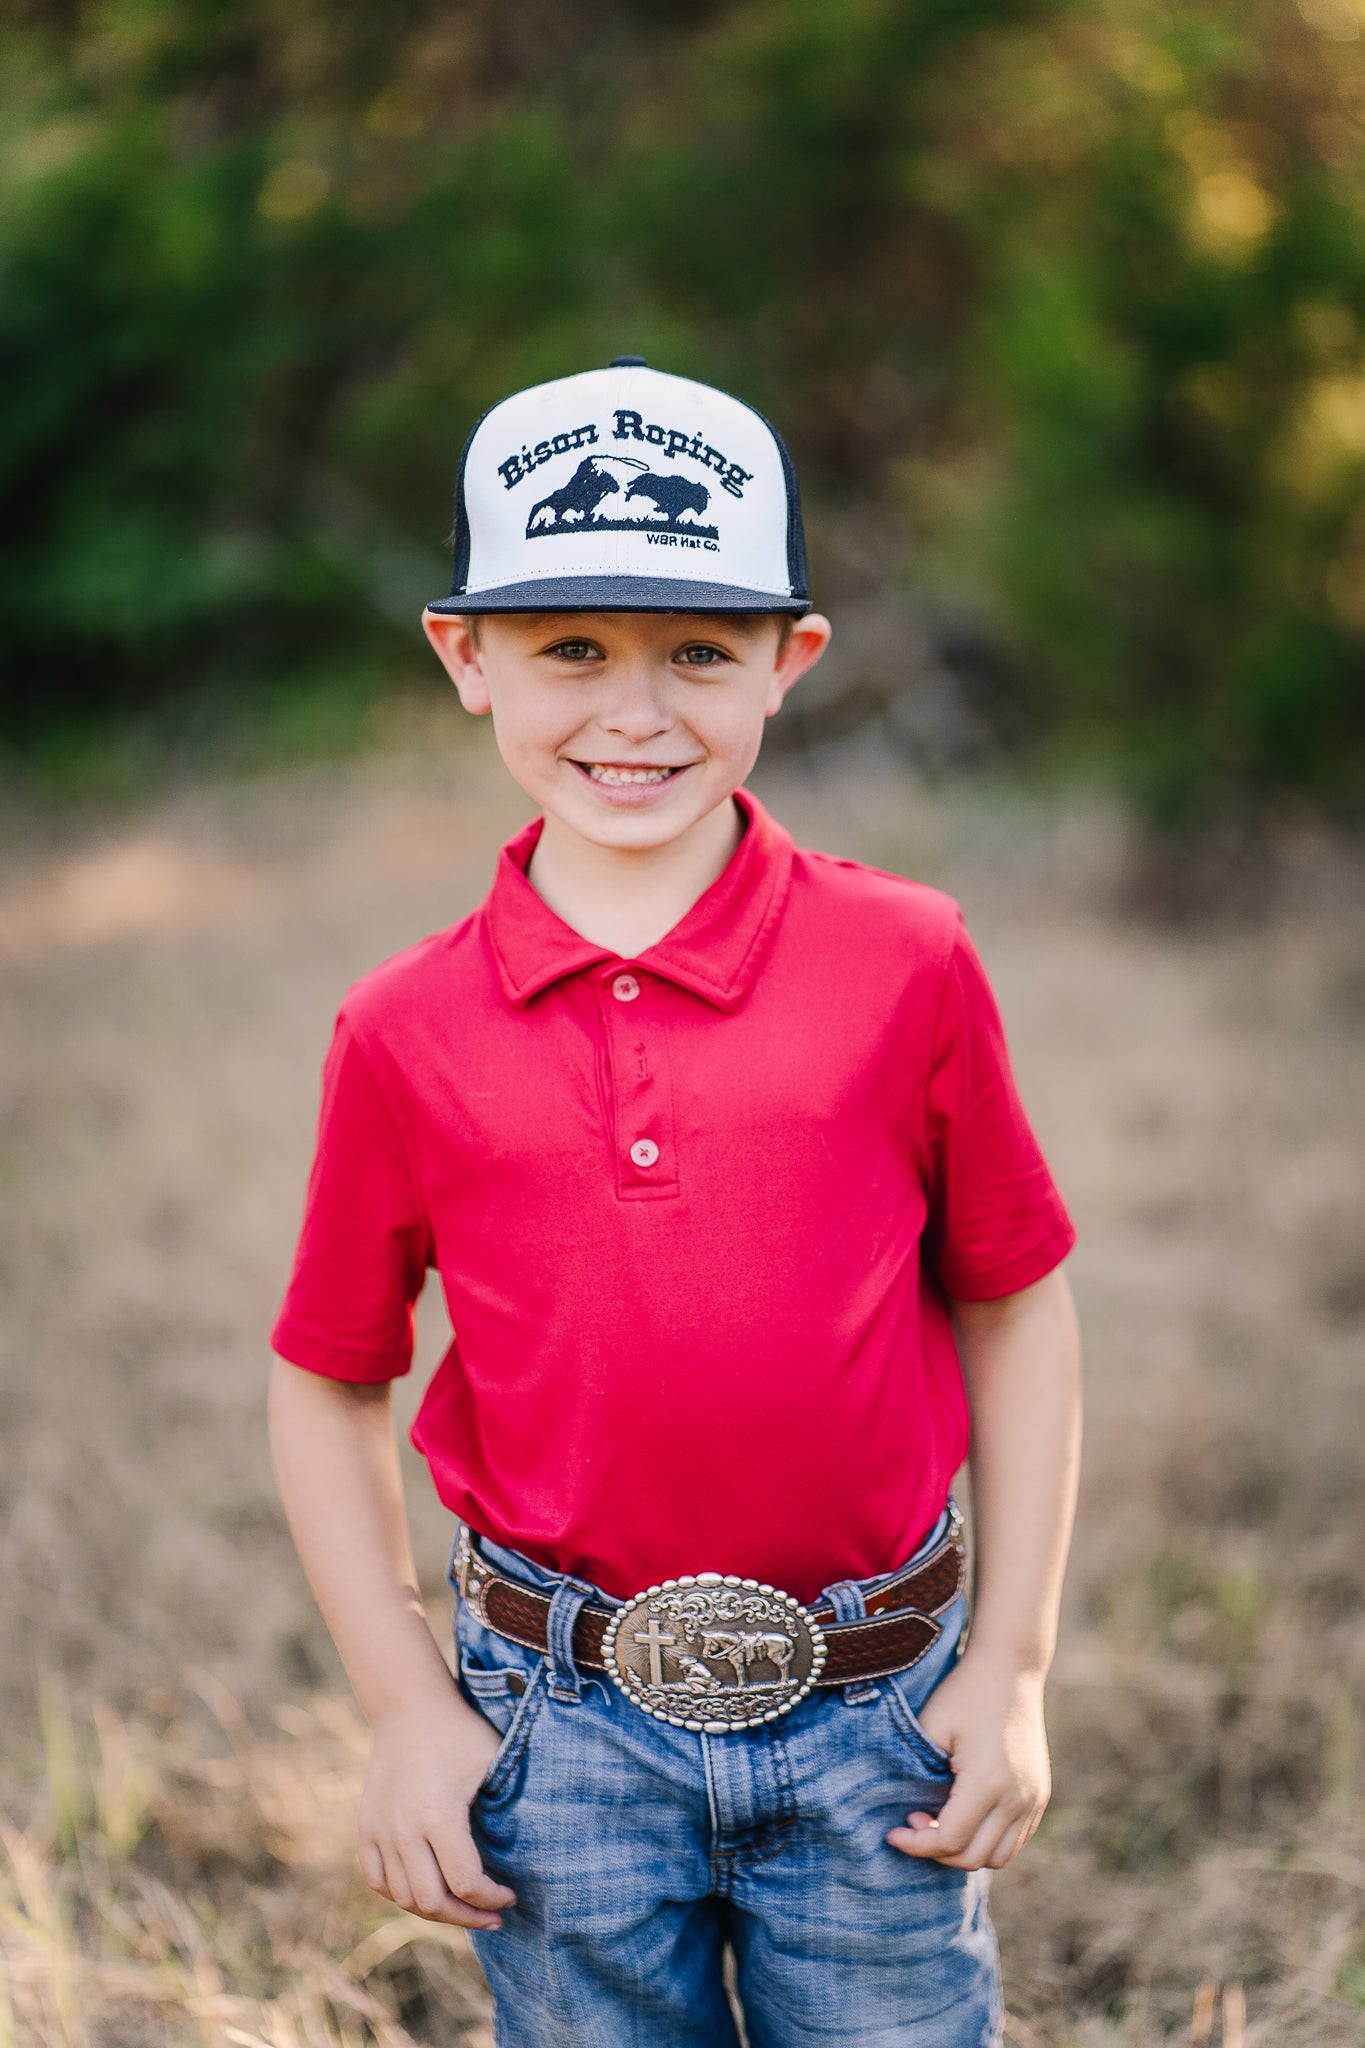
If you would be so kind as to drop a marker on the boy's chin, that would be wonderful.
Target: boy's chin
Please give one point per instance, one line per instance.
(633, 829)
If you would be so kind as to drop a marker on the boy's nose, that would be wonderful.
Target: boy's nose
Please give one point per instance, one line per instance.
(635, 706)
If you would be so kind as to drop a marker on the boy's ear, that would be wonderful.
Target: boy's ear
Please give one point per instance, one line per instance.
(806, 642)
(459, 655)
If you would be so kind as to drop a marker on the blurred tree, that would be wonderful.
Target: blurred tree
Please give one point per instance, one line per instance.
(1157, 473)
(1069, 293)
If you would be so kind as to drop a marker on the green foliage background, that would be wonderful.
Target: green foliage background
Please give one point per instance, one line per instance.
(1071, 291)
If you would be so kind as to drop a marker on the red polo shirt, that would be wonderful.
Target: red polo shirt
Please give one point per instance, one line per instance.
(695, 1215)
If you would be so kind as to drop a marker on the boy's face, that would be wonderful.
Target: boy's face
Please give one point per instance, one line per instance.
(627, 727)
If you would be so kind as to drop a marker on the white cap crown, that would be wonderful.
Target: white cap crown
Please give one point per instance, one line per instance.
(626, 489)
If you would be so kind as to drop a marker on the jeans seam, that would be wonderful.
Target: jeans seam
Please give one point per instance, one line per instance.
(717, 1859)
(770, 1842)
(782, 1778)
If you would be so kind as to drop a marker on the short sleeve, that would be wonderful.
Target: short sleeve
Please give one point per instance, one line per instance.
(996, 1220)
(363, 1248)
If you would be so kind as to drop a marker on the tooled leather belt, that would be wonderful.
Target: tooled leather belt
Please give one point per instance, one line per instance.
(716, 1652)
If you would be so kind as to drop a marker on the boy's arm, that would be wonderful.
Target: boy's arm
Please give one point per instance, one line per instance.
(1020, 1359)
(336, 1464)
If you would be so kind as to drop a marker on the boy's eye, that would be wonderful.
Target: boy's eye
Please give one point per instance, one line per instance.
(574, 650)
(701, 657)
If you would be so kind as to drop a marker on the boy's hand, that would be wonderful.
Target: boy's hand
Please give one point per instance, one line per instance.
(989, 1718)
(427, 1763)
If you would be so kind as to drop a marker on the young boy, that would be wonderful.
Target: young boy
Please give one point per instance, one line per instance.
(743, 1234)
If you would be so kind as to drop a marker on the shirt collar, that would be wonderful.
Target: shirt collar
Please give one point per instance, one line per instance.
(714, 950)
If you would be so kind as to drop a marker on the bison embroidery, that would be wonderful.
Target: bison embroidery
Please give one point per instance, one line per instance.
(673, 495)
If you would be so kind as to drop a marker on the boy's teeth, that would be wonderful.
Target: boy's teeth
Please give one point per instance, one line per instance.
(616, 776)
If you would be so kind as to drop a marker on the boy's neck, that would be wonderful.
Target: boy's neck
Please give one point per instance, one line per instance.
(629, 898)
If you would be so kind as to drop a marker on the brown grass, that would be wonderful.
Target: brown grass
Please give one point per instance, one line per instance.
(181, 1760)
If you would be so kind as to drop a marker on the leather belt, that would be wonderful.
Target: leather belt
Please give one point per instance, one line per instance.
(715, 1652)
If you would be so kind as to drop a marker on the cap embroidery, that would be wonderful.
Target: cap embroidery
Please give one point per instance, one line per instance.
(575, 506)
(517, 466)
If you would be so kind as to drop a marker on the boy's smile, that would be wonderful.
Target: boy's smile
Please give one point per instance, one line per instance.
(629, 728)
(629, 784)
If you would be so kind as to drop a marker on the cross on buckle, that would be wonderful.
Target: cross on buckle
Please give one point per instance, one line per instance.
(657, 1641)
(714, 1652)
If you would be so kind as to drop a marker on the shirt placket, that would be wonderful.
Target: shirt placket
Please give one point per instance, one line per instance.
(644, 1138)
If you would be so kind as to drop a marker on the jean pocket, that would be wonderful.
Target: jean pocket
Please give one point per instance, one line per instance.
(511, 1700)
(506, 1684)
(908, 1723)
(494, 1693)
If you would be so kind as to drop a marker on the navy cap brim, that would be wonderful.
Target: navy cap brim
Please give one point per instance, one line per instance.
(618, 594)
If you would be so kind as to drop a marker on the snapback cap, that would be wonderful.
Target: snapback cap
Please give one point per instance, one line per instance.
(626, 489)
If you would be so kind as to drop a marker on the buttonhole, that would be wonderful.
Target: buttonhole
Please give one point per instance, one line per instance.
(642, 1063)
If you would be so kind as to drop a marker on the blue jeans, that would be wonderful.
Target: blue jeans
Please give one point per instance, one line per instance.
(638, 1851)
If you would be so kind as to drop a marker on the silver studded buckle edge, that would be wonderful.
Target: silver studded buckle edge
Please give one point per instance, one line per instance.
(713, 1652)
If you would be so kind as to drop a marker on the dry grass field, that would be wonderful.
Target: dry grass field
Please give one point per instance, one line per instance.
(180, 1758)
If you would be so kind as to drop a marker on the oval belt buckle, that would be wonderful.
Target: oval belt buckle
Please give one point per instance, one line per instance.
(714, 1652)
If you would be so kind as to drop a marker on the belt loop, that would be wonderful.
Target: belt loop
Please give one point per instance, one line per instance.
(846, 1598)
(569, 1596)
